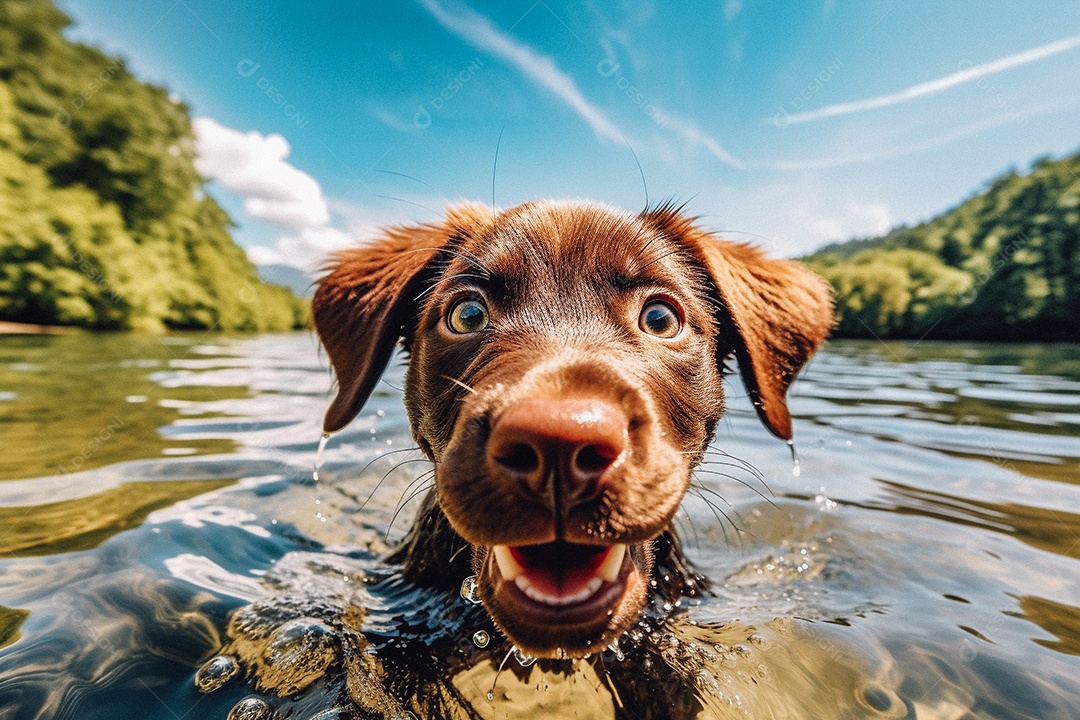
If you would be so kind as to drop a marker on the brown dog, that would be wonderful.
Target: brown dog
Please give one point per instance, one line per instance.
(565, 378)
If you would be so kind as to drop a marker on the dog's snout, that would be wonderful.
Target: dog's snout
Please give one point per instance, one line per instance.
(558, 449)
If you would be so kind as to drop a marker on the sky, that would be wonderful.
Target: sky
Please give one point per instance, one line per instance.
(790, 124)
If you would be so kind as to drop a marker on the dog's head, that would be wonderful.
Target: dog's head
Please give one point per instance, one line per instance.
(565, 378)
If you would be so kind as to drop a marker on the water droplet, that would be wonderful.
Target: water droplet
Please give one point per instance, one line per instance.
(481, 639)
(614, 647)
(490, 696)
(215, 673)
(380, 413)
(796, 467)
(250, 708)
(524, 659)
(318, 456)
(470, 590)
(300, 650)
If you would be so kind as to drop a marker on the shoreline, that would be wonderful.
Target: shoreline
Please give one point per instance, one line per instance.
(17, 328)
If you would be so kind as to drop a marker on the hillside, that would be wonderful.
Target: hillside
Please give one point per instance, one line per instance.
(103, 219)
(1003, 265)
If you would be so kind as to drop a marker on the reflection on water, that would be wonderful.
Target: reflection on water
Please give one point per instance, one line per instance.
(166, 552)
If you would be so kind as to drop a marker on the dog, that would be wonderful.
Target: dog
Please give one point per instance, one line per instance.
(565, 378)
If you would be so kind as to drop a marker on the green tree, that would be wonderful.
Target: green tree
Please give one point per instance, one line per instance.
(1004, 264)
(104, 221)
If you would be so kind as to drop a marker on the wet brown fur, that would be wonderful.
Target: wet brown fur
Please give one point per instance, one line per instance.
(564, 282)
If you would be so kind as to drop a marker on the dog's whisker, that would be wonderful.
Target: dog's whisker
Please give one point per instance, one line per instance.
(409, 177)
(491, 693)
(401, 506)
(465, 255)
(410, 202)
(449, 278)
(494, 168)
(609, 681)
(741, 482)
(457, 552)
(459, 384)
(738, 464)
(741, 530)
(383, 479)
(422, 477)
(386, 454)
(717, 451)
(746, 464)
(658, 259)
(641, 172)
(719, 514)
(688, 521)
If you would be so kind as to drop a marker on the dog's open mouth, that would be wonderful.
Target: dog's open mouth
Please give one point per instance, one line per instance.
(560, 583)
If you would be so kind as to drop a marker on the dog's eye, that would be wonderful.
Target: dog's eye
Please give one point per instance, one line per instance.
(660, 319)
(467, 316)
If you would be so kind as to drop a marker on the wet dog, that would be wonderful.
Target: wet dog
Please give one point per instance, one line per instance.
(565, 378)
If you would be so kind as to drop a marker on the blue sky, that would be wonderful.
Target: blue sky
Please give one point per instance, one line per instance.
(789, 124)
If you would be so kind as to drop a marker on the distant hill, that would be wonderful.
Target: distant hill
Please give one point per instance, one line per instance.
(1003, 265)
(293, 278)
(104, 222)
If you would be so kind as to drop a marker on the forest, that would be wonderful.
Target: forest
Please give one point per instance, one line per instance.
(1003, 265)
(104, 221)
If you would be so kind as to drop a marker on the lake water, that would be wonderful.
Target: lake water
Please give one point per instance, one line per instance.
(923, 563)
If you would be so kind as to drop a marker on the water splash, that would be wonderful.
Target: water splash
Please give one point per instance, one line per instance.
(524, 659)
(470, 590)
(319, 456)
(215, 673)
(796, 467)
(250, 708)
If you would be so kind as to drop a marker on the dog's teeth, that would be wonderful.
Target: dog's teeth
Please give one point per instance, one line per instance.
(609, 569)
(510, 569)
(539, 596)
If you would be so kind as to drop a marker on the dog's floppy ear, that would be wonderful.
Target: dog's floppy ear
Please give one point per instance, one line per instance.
(367, 301)
(773, 314)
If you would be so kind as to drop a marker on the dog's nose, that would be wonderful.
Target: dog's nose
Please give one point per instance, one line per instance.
(559, 449)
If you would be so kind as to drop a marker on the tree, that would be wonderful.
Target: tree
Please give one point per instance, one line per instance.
(104, 221)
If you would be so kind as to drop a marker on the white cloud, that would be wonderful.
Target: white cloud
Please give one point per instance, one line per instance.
(309, 248)
(478, 31)
(306, 250)
(254, 166)
(693, 134)
(931, 143)
(966, 72)
(731, 9)
(795, 216)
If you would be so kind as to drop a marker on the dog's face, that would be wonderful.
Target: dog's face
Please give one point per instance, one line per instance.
(565, 378)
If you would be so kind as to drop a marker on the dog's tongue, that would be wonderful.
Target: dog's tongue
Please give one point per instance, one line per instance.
(559, 573)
